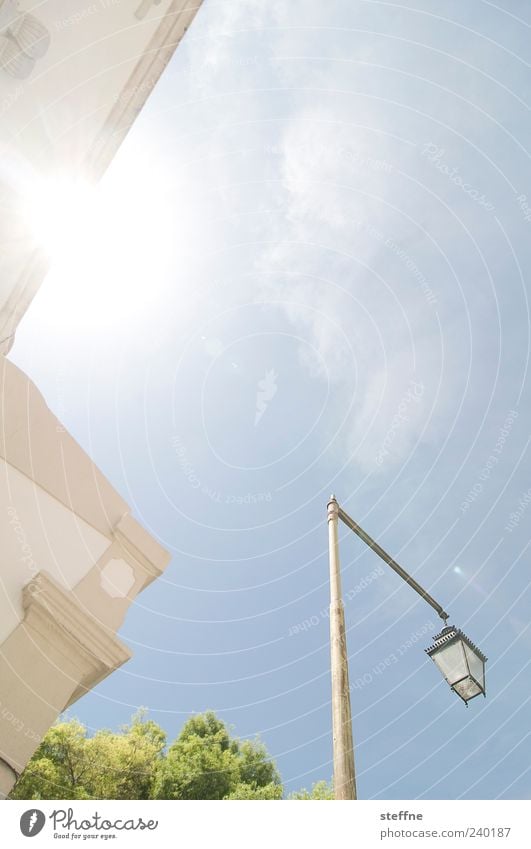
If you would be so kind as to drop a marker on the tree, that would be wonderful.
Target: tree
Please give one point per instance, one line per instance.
(320, 790)
(248, 791)
(204, 762)
(70, 765)
(131, 760)
(58, 767)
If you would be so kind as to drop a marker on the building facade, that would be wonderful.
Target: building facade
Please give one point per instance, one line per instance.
(73, 76)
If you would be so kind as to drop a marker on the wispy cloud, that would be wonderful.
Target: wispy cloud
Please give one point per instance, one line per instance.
(347, 268)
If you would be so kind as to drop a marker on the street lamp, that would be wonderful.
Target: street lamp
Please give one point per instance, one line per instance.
(459, 660)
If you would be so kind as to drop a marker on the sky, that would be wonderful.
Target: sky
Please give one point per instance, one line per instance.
(308, 275)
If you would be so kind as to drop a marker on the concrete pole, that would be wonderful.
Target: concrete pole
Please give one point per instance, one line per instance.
(344, 775)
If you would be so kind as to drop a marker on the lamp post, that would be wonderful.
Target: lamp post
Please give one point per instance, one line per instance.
(344, 773)
(460, 661)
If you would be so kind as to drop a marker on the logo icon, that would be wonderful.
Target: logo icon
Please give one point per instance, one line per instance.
(32, 822)
(267, 389)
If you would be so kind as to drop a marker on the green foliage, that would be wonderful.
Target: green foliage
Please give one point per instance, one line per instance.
(58, 766)
(255, 766)
(249, 791)
(70, 765)
(204, 762)
(320, 790)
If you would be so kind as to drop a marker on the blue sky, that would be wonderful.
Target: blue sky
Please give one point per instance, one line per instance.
(323, 289)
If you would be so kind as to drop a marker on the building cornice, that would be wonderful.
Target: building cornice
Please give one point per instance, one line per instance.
(174, 23)
(139, 546)
(57, 616)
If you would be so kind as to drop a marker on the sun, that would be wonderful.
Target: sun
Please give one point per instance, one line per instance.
(109, 245)
(65, 218)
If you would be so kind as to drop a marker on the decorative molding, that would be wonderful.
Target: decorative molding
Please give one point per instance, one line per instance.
(57, 616)
(144, 8)
(130, 535)
(117, 578)
(173, 24)
(23, 40)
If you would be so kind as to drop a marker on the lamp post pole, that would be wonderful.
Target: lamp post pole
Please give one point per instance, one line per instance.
(344, 775)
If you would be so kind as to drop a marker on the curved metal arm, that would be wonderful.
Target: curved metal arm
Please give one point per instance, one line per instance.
(350, 523)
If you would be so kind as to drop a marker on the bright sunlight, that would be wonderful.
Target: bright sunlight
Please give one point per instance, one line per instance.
(109, 245)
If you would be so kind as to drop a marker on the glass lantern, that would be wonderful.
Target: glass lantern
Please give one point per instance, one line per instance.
(460, 661)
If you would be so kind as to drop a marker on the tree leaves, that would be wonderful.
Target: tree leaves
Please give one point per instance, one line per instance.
(204, 762)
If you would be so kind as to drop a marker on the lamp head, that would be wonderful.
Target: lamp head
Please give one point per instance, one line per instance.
(460, 662)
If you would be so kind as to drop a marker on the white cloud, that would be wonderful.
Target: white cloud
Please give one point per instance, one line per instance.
(346, 287)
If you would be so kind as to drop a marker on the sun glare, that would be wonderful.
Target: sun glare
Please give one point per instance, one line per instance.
(65, 217)
(109, 246)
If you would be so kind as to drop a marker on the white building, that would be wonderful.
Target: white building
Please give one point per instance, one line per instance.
(73, 76)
